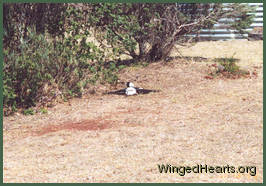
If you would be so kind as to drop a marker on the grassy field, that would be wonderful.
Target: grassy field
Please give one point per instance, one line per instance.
(111, 138)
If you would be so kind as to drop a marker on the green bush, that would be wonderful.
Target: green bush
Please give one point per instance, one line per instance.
(229, 64)
(43, 111)
(40, 67)
(29, 111)
(25, 70)
(227, 67)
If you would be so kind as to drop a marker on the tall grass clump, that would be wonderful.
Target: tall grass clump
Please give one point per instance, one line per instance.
(227, 67)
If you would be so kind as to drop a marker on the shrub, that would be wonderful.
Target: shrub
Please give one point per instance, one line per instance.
(227, 67)
(40, 70)
(25, 70)
(43, 111)
(29, 111)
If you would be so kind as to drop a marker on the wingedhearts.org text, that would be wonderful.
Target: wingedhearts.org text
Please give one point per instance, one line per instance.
(182, 170)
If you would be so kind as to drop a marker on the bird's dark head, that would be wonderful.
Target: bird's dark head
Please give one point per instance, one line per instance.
(129, 84)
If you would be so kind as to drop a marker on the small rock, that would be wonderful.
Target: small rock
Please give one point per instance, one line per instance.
(220, 68)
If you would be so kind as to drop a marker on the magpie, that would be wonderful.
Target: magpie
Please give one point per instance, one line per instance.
(132, 90)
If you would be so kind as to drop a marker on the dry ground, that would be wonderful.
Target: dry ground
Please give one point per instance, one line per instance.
(110, 138)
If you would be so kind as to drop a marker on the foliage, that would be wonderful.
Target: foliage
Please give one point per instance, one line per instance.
(29, 111)
(141, 30)
(18, 17)
(43, 111)
(227, 67)
(43, 70)
(154, 29)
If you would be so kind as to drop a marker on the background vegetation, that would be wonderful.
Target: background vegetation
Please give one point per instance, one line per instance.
(57, 50)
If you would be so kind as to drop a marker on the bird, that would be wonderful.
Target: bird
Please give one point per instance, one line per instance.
(132, 90)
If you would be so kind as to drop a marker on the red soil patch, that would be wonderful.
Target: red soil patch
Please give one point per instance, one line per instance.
(94, 124)
(82, 126)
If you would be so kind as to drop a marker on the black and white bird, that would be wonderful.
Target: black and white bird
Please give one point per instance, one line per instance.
(132, 90)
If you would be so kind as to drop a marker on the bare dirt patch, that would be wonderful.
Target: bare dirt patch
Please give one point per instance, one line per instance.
(111, 138)
(82, 126)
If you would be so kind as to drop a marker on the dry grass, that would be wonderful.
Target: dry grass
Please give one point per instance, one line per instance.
(112, 138)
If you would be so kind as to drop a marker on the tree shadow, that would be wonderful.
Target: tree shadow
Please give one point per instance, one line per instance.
(188, 58)
(131, 62)
(225, 59)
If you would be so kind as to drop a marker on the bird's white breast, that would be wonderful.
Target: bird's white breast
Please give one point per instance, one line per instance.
(131, 91)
